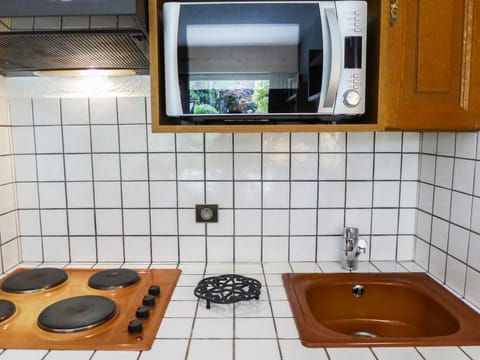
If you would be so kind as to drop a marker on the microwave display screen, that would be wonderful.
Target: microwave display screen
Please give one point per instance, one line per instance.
(353, 52)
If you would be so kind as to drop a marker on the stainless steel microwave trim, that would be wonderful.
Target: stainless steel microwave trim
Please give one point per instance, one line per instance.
(170, 22)
(335, 62)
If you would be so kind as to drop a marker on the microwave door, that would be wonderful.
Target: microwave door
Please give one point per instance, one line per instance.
(332, 60)
(259, 59)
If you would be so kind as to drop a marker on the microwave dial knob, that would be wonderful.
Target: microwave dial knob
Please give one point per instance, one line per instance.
(351, 98)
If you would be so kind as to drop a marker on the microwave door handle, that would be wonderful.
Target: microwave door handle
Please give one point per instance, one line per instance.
(335, 63)
(171, 16)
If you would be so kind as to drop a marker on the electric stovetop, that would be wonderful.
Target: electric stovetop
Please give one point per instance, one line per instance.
(94, 309)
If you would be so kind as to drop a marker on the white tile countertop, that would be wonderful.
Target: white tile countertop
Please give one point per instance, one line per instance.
(254, 330)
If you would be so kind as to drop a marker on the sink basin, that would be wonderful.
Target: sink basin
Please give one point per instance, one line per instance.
(386, 309)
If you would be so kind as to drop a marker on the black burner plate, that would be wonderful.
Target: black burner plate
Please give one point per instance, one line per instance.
(34, 280)
(113, 279)
(227, 289)
(77, 314)
(7, 309)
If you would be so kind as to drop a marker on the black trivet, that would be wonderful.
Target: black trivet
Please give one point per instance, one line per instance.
(227, 289)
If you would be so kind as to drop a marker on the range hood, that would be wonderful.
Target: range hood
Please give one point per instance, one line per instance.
(42, 35)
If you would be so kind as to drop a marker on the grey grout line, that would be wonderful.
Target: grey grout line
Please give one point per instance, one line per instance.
(65, 183)
(38, 184)
(94, 201)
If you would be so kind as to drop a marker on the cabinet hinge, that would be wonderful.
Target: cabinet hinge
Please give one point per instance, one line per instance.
(393, 12)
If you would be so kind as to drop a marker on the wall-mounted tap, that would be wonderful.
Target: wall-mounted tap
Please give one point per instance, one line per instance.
(353, 248)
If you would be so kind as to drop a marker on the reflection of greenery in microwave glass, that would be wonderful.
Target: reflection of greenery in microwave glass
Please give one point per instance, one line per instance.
(228, 96)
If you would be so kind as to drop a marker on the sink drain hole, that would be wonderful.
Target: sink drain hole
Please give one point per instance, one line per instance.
(364, 334)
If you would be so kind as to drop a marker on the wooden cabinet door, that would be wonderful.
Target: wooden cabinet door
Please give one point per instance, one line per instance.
(429, 65)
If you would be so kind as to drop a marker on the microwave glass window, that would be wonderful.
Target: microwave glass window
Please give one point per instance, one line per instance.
(249, 58)
(315, 73)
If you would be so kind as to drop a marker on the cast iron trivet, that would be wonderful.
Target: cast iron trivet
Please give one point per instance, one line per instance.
(227, 289)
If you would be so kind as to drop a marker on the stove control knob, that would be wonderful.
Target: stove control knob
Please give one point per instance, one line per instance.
(142, 312)
(149, 300)
(135, 326)
(154, 290)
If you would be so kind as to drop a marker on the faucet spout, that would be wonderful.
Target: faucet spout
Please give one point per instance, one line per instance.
(353, 248)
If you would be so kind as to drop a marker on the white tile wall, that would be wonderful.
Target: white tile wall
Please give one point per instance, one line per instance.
(448, 217)
(91, 178)
(9, 240)
(90, 170)
(87, 182)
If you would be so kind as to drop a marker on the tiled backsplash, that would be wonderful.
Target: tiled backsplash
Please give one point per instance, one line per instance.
(93, 184)
(9, 242)
(89, 182)
(448, 220)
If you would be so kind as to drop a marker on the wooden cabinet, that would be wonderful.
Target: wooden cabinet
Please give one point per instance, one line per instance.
(430, 65)
(423, 72)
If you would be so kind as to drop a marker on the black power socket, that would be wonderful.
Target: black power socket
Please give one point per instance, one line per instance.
(206, 213)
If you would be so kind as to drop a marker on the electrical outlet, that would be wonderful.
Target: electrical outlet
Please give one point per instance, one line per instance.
(206, 213)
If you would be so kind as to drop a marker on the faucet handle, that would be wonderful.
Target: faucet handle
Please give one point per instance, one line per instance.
(362, 245)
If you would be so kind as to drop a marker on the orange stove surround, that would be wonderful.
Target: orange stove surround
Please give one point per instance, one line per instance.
(21, 330)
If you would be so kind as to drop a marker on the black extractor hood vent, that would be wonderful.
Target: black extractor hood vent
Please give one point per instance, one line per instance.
(73, 35)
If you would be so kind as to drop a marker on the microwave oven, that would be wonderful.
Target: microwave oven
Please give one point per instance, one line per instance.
(260, 61)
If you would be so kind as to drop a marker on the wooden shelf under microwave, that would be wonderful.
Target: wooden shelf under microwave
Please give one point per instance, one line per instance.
(370, 121)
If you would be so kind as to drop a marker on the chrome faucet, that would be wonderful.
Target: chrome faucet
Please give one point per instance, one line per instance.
(353, 248)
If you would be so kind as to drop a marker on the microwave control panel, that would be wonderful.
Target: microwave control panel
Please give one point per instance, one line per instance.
(352, 20)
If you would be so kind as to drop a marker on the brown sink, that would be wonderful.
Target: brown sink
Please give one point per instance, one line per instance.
(395, 309)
